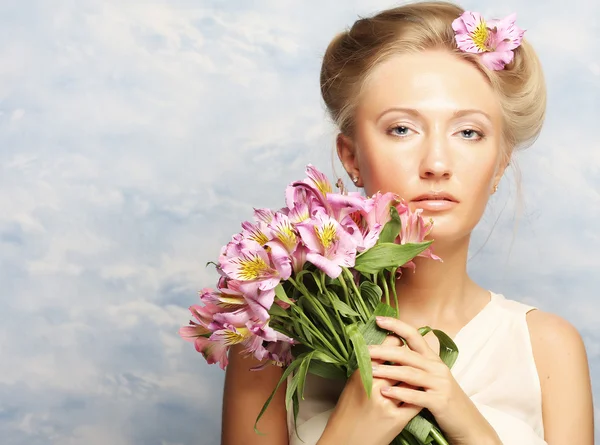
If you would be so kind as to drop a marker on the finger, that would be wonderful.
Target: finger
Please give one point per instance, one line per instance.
(392, 340)
(402, 356)
(407, 395)
(415, 341)
(406, 374)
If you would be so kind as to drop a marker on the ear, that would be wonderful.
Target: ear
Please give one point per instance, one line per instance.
(346, 151)
(504, 163)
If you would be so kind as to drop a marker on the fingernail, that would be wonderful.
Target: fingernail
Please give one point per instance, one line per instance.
(381, 319)
(374, 368)
(386, 389)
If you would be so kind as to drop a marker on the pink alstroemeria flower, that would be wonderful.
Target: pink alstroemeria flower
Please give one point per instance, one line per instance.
(279, 354)
(375, 216)
(199, 332)
(414, 230)
(230, 335)
(494, 40)
(285, 245)
(259, 300)
(330, 246)
(256, 232)
(263, 215)
(225, 298)
(318, 180)
(249, 261)
(212, 351)
(337, 205)
(311, 192)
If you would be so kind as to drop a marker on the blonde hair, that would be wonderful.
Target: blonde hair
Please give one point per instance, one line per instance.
(352, 55)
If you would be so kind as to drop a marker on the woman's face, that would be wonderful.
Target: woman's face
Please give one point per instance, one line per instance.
(428, 127)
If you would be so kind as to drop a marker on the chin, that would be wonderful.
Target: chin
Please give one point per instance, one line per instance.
(445, 231)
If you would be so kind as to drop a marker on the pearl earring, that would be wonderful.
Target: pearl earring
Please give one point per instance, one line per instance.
(355, 179)
(495, 188)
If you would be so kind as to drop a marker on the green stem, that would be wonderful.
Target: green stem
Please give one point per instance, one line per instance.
(299, 286)
(343, 284)
(401, 440)
(315, 331)
(438, 437)
(386, 291)
(357, 292)
(352, 302)
(339, 319)
(327, 323)
(394, 292)
(410, 439)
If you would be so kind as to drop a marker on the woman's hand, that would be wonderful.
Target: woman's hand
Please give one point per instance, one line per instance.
(428, 384)
(359, 420)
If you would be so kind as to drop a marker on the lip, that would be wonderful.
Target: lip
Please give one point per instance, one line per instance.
(435, 202)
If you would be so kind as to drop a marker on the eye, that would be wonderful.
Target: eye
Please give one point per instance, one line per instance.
(471, 134)
(399, 131)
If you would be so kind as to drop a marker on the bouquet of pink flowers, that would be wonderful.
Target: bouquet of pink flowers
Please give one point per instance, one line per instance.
(300, 288)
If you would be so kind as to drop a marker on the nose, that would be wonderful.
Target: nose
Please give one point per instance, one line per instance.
(436, 160)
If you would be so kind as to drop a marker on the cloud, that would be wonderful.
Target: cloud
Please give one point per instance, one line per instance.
(134, 139)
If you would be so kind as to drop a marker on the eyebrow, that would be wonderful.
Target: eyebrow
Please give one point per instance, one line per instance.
(416, 113)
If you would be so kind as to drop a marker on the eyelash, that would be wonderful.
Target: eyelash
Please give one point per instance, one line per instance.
(477, 132)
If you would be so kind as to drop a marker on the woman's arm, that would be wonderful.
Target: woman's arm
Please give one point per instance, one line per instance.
(244, 395)
(563, 369)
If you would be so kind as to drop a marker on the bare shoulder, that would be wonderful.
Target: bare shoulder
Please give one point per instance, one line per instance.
(561, 361)
(553, 337)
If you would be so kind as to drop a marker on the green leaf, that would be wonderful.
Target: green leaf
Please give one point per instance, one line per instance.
(280, 293)
(371, 331)
(290, 395)
(391, 230)
(326, 370)
(291, 388)
(448, 349)
(343, 308)
(309, 307)
(278, 311)
(306, 332)
(283, 378)
(317, 280)
(362, 356)
(322, 356)
(388, 255)
(371, 293)
(420, 428)
(302, 371)
(323, 299)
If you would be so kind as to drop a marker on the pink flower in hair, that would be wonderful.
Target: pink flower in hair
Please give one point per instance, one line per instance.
(495, 40)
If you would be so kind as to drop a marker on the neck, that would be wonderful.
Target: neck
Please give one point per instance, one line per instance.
(437, 290)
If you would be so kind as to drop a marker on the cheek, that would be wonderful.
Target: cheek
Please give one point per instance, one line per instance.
(383, 169)
(477, 184)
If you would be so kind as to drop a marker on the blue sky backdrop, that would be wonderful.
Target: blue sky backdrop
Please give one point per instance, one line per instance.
(136, 136)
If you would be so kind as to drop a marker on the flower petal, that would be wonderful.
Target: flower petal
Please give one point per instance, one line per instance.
(332, 269)
(193, 331)
(471, 20)
(237, 318)
(318, 180)
(508, 35)
(497, 60)
(212, 351)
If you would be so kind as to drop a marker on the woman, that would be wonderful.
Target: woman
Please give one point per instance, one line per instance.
(422, 115)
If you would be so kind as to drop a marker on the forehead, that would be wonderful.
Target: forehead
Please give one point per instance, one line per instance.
(433, 81)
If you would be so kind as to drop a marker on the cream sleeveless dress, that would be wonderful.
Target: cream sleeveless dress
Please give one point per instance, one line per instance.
(495, 368)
